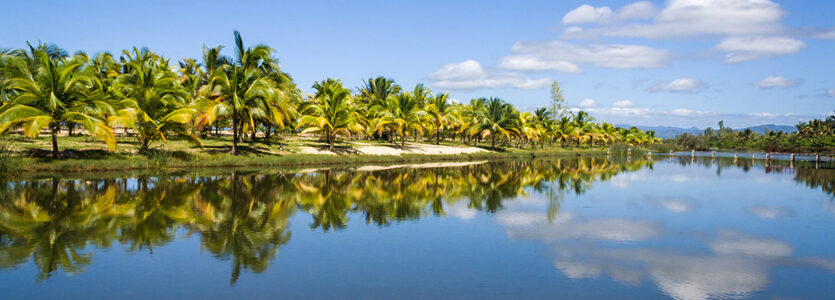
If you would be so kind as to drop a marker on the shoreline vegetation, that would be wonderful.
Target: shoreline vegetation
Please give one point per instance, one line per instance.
(80, 157)
(139, 110)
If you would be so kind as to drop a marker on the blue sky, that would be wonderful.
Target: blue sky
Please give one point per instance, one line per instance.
(677, 62)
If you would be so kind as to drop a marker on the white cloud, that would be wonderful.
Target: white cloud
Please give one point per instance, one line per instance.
(684, 112)
(688, 18)
(830, 93)
(588, 102)
(623, 104)
(742, 49)
(533, 63)
(681, 85)
(470, 75)
(776, 82)
(589, 14)
(562, 56)
(829, 34)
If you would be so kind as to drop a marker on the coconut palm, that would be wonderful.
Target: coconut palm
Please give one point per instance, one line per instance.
(153, 102)
(497, 119)
(330, 112)
(403, 114)
(239, 88)
(50, 91)
(441, 113)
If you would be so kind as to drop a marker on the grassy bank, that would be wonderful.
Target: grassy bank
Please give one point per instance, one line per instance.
(83, 154)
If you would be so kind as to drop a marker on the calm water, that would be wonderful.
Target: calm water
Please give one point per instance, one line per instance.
(571, 228)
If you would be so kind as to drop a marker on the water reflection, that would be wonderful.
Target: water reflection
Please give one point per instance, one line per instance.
(244, 217)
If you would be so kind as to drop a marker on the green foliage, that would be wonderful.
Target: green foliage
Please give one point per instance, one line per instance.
(9, 165)
(813, 136)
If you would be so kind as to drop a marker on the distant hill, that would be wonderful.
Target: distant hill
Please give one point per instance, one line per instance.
(671, 132)
(772, 127)
(665, 131)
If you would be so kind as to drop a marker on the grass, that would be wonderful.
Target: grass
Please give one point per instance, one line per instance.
(83, 154)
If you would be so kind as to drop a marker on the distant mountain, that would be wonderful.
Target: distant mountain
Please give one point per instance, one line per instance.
(772, 127)
(665, 132)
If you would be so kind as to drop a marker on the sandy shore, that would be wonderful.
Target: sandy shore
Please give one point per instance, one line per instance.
(376, 149)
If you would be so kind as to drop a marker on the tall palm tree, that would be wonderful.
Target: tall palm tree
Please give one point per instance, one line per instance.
(330, 112)
(441, 112)
(240, 89)
(51, 90)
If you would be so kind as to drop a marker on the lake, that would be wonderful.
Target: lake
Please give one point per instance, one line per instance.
(576, 228)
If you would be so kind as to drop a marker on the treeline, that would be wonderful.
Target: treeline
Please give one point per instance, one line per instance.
(43, 88)
(814, 136)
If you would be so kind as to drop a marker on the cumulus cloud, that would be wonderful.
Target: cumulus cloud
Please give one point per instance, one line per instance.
(740, 49)
(534, 63)
(681, 85)
(589, 14)
(470, 75)
(623, 104)
(588, 102)
(566, 57)
(777, 82)
(685, 18)
(829, 34)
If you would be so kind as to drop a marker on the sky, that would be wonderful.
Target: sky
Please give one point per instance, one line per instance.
(676, 63)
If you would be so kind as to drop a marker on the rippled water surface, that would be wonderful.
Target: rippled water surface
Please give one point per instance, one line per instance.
(571, 228)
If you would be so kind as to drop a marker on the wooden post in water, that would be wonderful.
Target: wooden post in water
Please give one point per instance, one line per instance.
(649, 154)
(628, 151)
(712, 154)
(692, 153)
(735, 157)
(671, 152)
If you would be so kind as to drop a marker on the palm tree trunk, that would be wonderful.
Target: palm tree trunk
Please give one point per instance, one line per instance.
(267, 131)
(234, 135)
(55, 152)
(493, 142)
(403, 139)
(331, 139)
(438, 137)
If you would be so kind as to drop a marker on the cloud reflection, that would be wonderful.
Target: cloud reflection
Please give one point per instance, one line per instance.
(732, 265)
(770, 212)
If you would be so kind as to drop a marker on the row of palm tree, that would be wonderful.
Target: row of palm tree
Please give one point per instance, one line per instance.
(43, 88)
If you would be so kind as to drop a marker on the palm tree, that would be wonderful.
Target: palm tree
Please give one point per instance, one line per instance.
(153, 100)
(441, 112)
(403, 114)
(50, 91)
(240, 89)
(376, 96)
(497, 119)
(330, 112)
